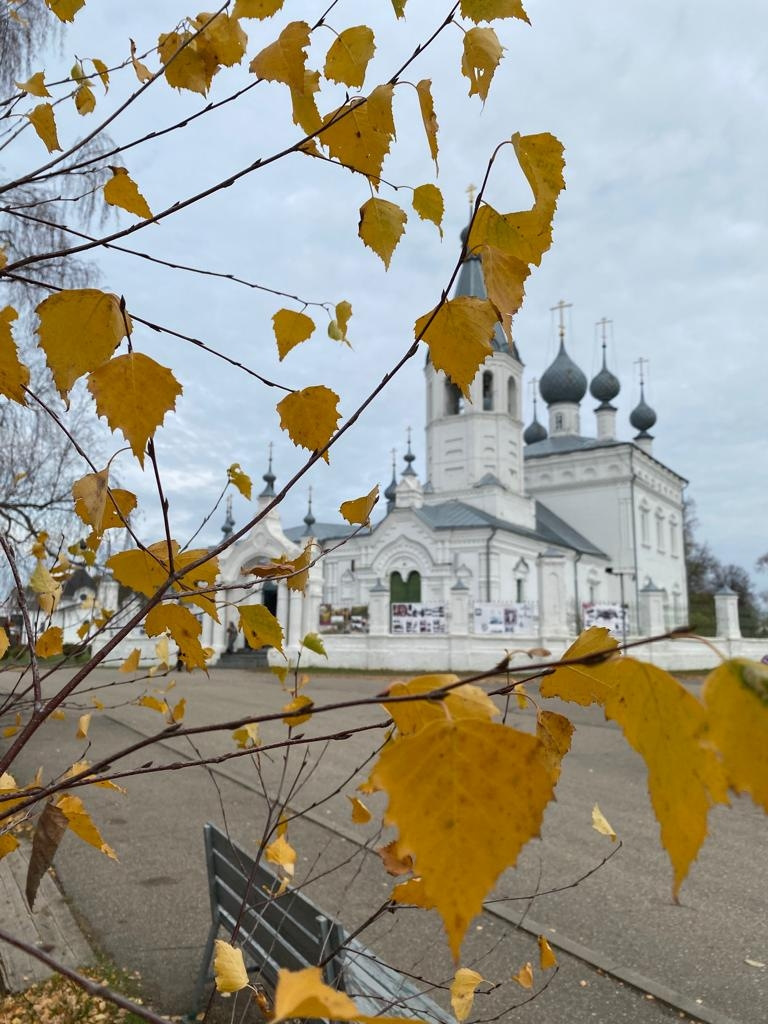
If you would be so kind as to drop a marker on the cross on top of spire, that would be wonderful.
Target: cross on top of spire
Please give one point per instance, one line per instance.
(561, 307)
(641, 363)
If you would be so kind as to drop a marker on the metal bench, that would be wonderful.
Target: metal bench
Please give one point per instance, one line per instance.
(290, 931)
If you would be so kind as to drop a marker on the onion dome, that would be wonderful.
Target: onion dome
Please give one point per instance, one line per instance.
(391, 491)
(229, 522)
(535, 431)
(269, 479)
(409, 458)
(309, 519)
(605, 385)
(642, 416)
(562, 381)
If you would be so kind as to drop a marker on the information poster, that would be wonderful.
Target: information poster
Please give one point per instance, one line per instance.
(353, 619)
(422, 619)
(514, 619)
(610, 616)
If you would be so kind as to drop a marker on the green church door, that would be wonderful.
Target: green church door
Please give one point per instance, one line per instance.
(405, 591)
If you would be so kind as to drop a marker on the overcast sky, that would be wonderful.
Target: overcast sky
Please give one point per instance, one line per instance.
(662, 111)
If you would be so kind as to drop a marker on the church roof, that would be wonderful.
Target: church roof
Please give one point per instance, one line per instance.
(320, 531)
(575, 443)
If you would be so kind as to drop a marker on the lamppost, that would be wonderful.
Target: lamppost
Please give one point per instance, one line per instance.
(621, 573)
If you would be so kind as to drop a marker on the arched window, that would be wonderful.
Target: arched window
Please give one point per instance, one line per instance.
(407, 591)
(487, 391)
(559, 421)
(512, 397)
(454, 399)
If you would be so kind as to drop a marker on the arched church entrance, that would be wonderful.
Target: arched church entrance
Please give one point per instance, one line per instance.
(405, 591)
(269, 596)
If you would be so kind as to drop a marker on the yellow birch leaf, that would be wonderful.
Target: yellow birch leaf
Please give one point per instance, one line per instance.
(39, 549)
(44, 123)
(58, 715)
(481, 57)
(34, 86)
(298, 711)
(240, 480)
(343, 314)
(139, 570)
(79, 330)
(504, 277)
(201, 579)
(313, 642)
(281, 852)
(667, 726)
(547, 957)
(455, 816)
(491, 10)
(257, 8)
(90, 496)
(349, 55)
(183, 627)
(428, 203)
(85, 100)
(48, 589)
(163, 653)
(358, 510)
(360, 133)
(121, 190)
(399, 6)
(428, 116)
(524, 976)
(247, 736)
(179, 708)
(412, 891)
(192, 67)
(736, 699)
(65, 10)
(381, 227)
(463, 986)
(229, 968)
(588, 683)
(222, 37)
(310, 417)
(465, 701)
(8, 844)
(5, 643)
(294, 571)
(260, 627)
(102, 71)
(281, 671)
(131, 663)
(291, 329)
(3, 259)
(555, 732)
(303, 994)
(360, 813)
(601, 824)
(394, 862)
(142, 71)
(459, 337)
(50, 643)
(14, 375)
(118, 507)
(80, 823)
(83, 724)
(284, 60)
(304, 106)
(134, 393)
(147, 701)
(97, 703)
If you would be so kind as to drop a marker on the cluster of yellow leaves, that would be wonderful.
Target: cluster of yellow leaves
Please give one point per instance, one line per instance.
(295, 571)
(145, 570)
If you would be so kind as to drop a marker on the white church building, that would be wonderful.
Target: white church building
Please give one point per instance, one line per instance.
(510, 537)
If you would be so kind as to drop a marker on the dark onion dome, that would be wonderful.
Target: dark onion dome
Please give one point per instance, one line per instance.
(605, 385)
(562, 381)
(391, 492)
(309, 519)
(269, 479)
(642, 416)
(535, 432)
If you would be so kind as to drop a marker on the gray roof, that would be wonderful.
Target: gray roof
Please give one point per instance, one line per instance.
(320, 531)
(575, 443)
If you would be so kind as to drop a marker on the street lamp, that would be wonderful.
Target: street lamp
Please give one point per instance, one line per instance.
(621, 573)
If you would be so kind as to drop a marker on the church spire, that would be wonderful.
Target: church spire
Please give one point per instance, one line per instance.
(535, 431)
(229, 522)
(409, 458)
(269, 478)
(391, 492)
(309, 519)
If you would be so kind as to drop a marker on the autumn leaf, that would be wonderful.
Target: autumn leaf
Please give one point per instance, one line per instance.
(48, 589)
(90, 497)
(281, 852)
(142, 71)
(343, 314)
(504, 277)
(134, 393)
(428, 203)
(491, 10)
(455, 816)
(547, 957)
(358, 510)
(131, 663)
(50, 643)
(221, 37)
(412, 891)
(310, 417)
(192, 67)
(148, 701)
(463, 986)
(394, 862)
(183, 627)
(298, 711)
(49, 831)
(8, 844)
(428, 116)
(80, 823)
(360, 813)
(85, 100)
(83, 724)
(257, 8)
(121, 190)
(14, 375)
(465, 701)
(381, 227)
(284, 60)
(79, 330)
(43, 121)
(34, 86)
(240, 480)
(260, 627)
(588, 683)
(314, 643)
(142, 571)
(349, 55)
(481, 56)
(247, 736)
(5, 643)
(304, 105)
(524, 976)
(304, 994)
(229, 968)
(459, 337)
(102, 71)
(359, 133)
(601, 824)
(294, 571)
(65, 10)
(555, 732)
(736, 699)
(291, 329)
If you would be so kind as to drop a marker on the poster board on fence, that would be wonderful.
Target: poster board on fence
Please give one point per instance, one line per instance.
(346, 619)
(506, 619)
(418, 619)
(610, 616)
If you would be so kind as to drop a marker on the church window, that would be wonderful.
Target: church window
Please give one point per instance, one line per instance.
(487, 391)
(407, 591)
(454, 400)
(352, 565)
(559, 421)
(659, 531)
(593, 591)
(519, 591)
(673, 538)
(512, 397)
(645, 527)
